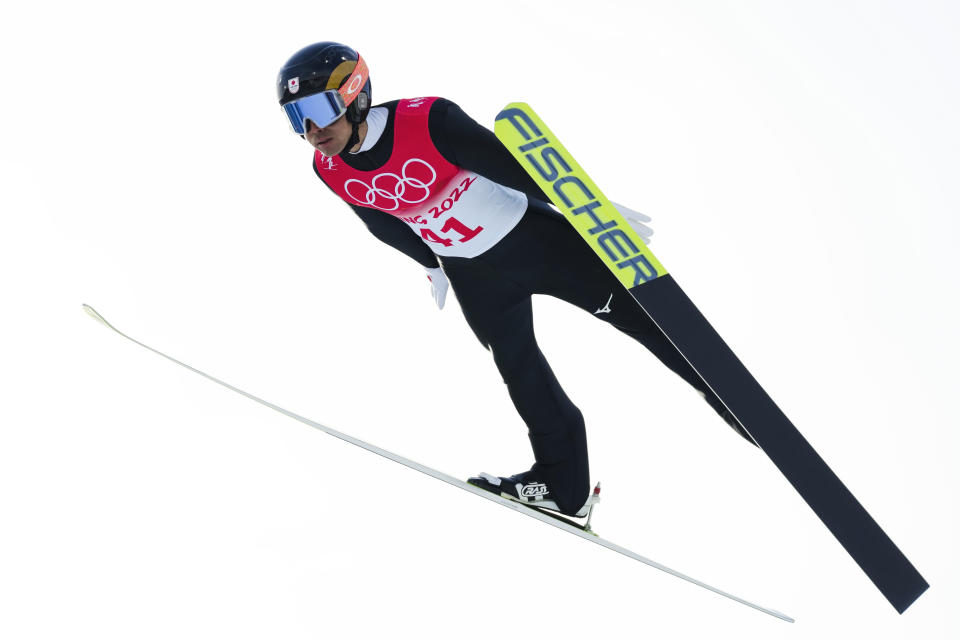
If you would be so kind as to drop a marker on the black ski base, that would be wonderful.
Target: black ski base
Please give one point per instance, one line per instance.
(845, 517)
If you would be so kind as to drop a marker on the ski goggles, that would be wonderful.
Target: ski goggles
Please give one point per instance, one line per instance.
(324, 108)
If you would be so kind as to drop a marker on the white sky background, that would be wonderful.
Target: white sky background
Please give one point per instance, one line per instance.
(799, 161)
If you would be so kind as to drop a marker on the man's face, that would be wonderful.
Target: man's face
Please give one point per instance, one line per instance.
(332, 139)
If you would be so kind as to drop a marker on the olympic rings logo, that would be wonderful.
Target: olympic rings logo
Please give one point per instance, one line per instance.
(396, 195)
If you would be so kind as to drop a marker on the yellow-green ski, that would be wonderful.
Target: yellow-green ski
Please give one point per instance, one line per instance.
(576, 195)
(569, 187)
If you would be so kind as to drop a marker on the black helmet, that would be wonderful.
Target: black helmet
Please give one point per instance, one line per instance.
(326, 66)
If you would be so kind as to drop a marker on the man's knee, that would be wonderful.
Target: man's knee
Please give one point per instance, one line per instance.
(515, 358)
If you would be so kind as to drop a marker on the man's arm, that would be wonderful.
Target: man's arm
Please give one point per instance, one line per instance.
(397, 234)
(392, 231)
(465, 143)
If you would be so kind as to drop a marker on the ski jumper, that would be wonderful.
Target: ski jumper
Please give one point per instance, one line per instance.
(437, 185)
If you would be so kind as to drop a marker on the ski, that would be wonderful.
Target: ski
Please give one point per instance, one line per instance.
(551, 519)
(542, 155)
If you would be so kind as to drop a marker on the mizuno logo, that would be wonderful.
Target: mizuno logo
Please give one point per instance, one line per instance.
(605, 308)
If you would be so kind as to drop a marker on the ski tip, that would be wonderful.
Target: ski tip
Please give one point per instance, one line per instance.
(522, 106)
(782, 616)
(93, 314)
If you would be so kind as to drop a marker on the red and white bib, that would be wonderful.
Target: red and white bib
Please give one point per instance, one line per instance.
(456, 212)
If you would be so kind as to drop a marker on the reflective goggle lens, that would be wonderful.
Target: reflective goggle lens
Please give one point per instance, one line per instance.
(320, 108)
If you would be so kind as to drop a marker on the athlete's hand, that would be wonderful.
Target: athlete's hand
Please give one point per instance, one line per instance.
(438, 285)
(636, 221)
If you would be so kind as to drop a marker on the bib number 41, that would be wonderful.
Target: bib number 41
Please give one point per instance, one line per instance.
(451, 224)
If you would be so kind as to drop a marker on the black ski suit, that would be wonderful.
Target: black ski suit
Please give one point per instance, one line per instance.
(543, 254)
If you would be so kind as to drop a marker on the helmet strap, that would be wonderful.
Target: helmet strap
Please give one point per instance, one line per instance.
(354, 137)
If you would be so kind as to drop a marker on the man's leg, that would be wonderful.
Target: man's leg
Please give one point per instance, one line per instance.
(572, 272)
(500, 313)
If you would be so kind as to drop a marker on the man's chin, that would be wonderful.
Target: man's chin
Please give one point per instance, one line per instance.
(328, 150)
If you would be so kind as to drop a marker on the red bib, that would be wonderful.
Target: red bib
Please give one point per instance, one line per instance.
(456, 212)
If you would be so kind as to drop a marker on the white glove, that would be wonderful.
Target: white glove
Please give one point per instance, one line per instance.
(438, 285)
(635, 219)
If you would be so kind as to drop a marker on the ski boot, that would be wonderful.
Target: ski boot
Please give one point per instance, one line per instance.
(528, 490)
